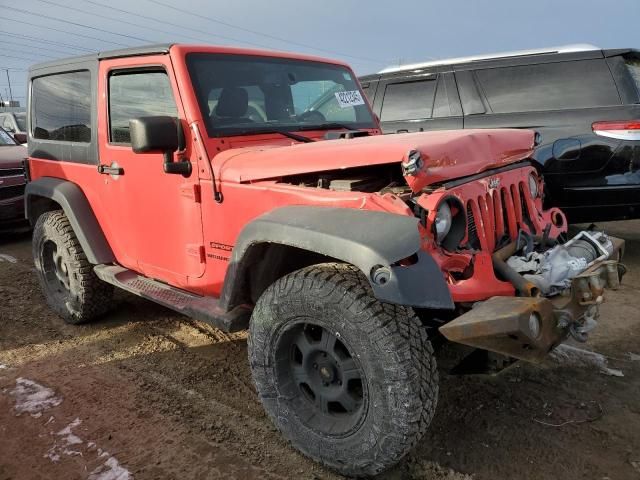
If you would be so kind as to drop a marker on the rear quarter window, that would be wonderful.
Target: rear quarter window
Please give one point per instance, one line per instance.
(549, 86)
(61, 107)
(633, 65)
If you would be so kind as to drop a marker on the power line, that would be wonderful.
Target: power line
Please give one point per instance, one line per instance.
(262, 34)
(51, 42)
(20, 58)
(163, 22)
(10, 50)
(34, 46)
(115, 19)
(28, 12)
(63, 31)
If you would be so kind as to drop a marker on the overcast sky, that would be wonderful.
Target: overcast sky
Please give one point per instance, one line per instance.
(368, 35)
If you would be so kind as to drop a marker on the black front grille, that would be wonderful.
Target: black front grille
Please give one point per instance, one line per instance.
(10, 172)
(11, 192)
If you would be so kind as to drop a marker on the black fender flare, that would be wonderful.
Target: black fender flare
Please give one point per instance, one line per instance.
(76, 207)
(372, 241)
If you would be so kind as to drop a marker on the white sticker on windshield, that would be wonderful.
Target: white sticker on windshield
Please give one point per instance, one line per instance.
(349, 98)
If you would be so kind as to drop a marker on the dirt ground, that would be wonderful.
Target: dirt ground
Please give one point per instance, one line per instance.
(146, 393)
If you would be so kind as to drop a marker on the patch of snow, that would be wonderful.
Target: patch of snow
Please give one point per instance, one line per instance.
(51, 419)
(110, 470)
(7, 258)
(3, 366)
(36, 415)
(67, 435)
(51, 455)
(634, 357)
(577, 357)
(69, 453)
(68, 439)
(32, 397)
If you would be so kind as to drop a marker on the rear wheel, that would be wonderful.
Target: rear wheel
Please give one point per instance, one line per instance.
(68, 282)
(350, 381)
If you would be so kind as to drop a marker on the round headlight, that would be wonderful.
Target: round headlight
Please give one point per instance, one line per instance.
(533, 185)
(443, 221)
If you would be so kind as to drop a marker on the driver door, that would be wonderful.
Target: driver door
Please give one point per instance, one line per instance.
(155, 217)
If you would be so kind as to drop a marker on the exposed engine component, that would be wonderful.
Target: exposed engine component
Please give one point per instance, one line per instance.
(552, 270)
(379, 178)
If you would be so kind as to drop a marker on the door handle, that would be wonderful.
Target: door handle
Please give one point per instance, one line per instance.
(112, 169)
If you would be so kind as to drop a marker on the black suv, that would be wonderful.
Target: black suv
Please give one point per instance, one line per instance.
(584, 102)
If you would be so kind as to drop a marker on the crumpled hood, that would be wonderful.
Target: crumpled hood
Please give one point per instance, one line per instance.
(445, 155)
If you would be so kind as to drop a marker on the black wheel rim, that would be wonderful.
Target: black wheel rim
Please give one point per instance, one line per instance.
(55, 269)
(318, 372)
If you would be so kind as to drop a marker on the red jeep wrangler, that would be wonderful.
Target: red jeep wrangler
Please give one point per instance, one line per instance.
(253, 189)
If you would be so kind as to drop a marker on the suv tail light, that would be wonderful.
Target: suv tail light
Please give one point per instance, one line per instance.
(623, 130)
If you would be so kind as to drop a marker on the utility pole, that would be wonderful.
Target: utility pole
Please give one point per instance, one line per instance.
(9, 82)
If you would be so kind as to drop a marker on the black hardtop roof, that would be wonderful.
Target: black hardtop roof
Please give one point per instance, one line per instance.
(160, 48)
(489, 62)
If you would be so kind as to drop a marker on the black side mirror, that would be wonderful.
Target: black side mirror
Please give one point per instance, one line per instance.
(20, 137)
(159, 134)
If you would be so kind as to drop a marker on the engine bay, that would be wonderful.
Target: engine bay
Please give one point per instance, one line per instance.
(369, 179)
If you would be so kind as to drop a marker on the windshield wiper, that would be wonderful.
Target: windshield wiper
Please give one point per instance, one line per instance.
(328, 126)
(293, 136)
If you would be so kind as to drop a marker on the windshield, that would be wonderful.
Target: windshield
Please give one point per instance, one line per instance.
(6, 139)
(241, 94)
(21, 120)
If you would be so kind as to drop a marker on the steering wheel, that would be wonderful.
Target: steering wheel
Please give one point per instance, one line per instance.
(312, 116)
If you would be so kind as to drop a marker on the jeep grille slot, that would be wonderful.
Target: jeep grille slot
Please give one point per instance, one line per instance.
(497, 215)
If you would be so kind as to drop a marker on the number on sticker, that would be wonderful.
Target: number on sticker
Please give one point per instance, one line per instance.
(349, 98)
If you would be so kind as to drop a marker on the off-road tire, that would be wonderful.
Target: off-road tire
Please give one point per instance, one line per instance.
(390, 346)
(84, 296)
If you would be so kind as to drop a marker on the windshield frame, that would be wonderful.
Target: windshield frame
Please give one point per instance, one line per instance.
(280, 126)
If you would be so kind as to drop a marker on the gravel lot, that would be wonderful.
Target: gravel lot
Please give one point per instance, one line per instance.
(157, 395)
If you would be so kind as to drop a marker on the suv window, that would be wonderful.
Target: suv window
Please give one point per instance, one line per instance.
(61, 107)
(6, 139)
(549, 86)
(633, 64)
(137, 94)
(21, 120)
(408, 100)
(6, 123)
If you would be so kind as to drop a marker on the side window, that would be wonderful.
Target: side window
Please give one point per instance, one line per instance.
(447, 102)
(6, 123)
(61, 107)
(137, 94)
(365, 90)
(408, 100)
(549, 86)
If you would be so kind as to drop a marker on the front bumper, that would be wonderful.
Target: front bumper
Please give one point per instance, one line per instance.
(12, 210)
(528, 328)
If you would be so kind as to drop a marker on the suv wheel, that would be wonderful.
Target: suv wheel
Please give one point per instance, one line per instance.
(350, 381)
(67, 279)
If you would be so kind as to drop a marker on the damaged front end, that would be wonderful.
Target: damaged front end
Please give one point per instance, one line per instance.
(559, 288)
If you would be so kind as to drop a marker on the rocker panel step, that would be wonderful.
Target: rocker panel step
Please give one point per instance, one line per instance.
(206, 309)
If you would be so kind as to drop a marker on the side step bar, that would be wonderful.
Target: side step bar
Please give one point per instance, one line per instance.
(206, 309)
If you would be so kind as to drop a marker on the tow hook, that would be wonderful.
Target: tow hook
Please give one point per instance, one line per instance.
(580, 330)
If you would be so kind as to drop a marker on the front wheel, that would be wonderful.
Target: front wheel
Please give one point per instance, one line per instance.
(350, 381)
